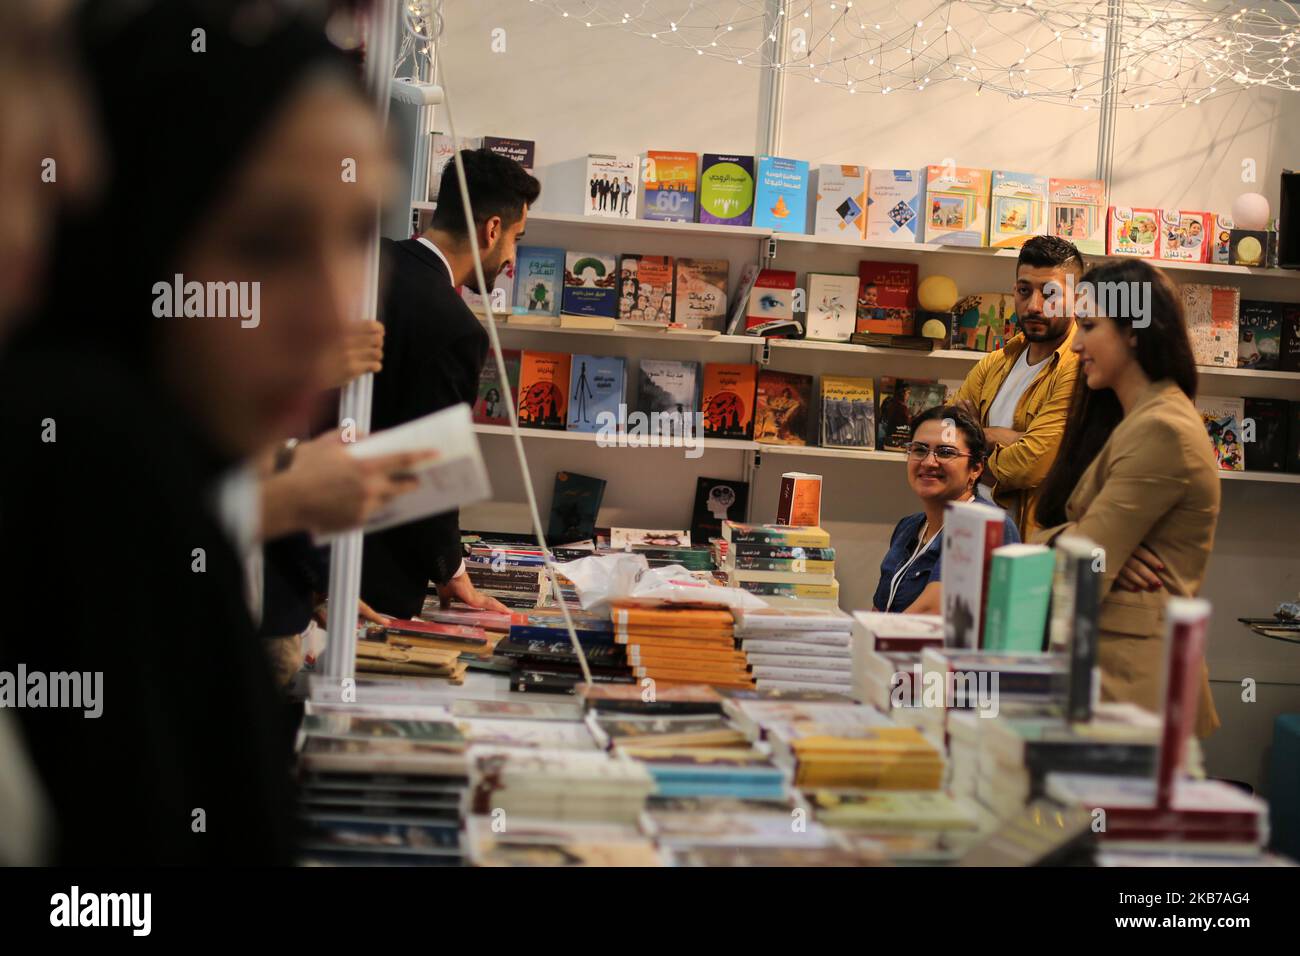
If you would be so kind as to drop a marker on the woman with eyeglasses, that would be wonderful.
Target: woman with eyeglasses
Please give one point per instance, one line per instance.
(944, 462)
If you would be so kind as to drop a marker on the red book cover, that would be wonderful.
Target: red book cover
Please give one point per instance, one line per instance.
(729, 400)
(886, 297)
(461, 633)
(544, 389)
(1184, 653)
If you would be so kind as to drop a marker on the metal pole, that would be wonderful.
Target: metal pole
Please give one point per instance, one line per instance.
(1109, 92)
(771, 91)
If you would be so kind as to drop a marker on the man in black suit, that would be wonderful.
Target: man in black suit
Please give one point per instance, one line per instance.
(434, 349)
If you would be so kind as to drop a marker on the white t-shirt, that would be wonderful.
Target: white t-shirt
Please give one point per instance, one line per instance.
(1003, 409)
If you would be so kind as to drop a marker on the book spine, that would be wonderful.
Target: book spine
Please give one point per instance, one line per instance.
(1083, 638)
(1186, 650)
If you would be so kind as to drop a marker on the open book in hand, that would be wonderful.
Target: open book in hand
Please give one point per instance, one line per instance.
(455, 476)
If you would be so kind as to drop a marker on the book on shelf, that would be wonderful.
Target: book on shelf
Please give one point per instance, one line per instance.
(501, 294)
(781, 194)
(832, 307)
(441, 151)
(783, 407)
(893, 205)
(956, 206)
(1265, 433)
(1259, 334)
(1020, 586)
(1220, 248)
(539, 283)
(1133, 231)
(1072, 625)
(670, 178)
(1288, 359)
(1077, 212)
(883, 340)
(1223, 419)
(544, 389)
(1212, 322)
(900, 402)
(493, 394)
(726, 189)
(590, 287)
(886, 297)
(841, 208)
(1186, 236)
(1018, 208)
(611, 186)
(971, 532)
(597, 386)
(984, 322)
(699, 296)
(668, 386)
(799, 502)
(717, 500)
(771, 299)
(848, 414)
(645, 290)
(728, 400)
(736, 319)
(522, 151)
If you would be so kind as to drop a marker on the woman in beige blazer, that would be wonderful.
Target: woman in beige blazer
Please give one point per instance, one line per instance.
(1136, 470)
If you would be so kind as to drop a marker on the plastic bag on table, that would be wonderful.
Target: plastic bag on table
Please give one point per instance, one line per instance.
(626, 576)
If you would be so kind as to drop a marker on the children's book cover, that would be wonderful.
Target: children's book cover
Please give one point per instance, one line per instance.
(886, 297)
(956, 206)
(1019, 208)
(1077, 210)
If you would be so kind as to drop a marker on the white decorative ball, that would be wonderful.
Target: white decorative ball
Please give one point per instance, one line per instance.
(1250, 211)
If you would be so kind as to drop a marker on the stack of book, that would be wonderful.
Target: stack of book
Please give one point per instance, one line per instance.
(681, 644)
(420, 649)
(556, 785)
(798, 648)
(759, 714)
(686, 827)
(514, 573)
(863, 757)
(743, 772)
(541, 655)
(781, 564)
(987, 682)
(494, 626)
(556, 843)
(887, 660)
(379, 789)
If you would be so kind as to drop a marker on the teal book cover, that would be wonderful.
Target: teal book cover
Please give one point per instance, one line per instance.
(781, 195)
(574, 507)
(1020, 587)
(596, 385)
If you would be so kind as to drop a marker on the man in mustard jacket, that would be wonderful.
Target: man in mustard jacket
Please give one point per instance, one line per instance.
(1021, 393)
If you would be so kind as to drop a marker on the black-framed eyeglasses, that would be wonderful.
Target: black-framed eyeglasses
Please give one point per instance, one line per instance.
(920, 451)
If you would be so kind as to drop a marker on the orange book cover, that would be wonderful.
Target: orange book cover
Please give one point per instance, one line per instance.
(728, 400)
(651, 654)
(543, 389)
(727, 679)
(688, 630)
(671, 642)
(626, 616)
(800, 503)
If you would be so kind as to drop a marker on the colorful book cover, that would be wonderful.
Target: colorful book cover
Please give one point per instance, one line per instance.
(575, 504)
(717, 500)
(728, 400)
(971, 532)
(781, 195)
(841, 208)
(441, 152)
(645, 289)
(727, 189)
(1221, 249)
(543, 389)
(611, 185)
(670, 185)
(1259, 334)
(1077, 210)
(1288, 359)
(783, 409)
(983, 322)
(539, 280)
(893, 205)
(799, 504)
(1266, 448)
(771, 299)
(956, 206)
(832, 307)
(666, 385)
(522, 151)
(490, 406)
(1020, 588)
(1133, 232)
(848, 412)
(1186, 236)
(700, 293)
(1212, 322)
(590, 284)
(901, 401)
(886, 297)
(596, 387)
(1223, 419)
(1018, 208)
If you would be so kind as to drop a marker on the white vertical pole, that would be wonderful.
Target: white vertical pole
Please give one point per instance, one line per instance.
(354, 404)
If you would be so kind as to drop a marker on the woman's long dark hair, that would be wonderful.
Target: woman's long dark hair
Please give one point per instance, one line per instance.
(1163, 351)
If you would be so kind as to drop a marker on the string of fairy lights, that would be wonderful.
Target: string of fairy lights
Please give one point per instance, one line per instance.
(1167, 52)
